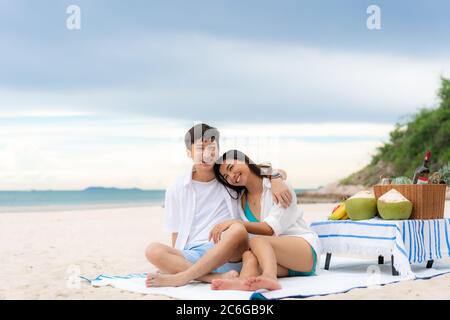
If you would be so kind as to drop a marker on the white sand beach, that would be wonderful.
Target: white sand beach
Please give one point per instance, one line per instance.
(39, 250)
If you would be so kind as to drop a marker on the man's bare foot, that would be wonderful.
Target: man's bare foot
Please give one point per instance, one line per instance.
(229, 284)
(165, 280)
(262, 282)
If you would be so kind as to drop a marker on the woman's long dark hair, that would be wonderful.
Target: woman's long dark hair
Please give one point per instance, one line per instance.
(237, 155)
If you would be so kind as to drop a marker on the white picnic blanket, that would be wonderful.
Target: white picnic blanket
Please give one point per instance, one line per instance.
(409, 241)
(345, 275)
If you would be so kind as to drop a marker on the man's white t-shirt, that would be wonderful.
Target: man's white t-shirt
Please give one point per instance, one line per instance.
(210, 209)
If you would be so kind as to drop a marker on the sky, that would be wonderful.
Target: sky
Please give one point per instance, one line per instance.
(302, 84)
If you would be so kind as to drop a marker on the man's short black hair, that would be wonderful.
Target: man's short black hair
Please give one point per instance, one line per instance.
(202, 132)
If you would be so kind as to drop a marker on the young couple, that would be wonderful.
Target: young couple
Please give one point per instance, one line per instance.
(233, 223)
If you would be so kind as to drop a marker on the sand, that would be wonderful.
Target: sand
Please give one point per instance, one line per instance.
(42, 252)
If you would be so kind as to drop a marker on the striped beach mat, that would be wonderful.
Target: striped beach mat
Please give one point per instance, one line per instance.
(346, 274)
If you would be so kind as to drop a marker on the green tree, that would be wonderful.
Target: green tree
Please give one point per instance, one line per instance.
(428, 129)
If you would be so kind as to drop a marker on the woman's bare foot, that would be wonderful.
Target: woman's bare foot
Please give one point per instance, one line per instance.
(165, 280)
(229, 284)
(232, 274)
(262, 282)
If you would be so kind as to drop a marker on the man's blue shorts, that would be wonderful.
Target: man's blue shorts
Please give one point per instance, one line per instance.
(194, 252)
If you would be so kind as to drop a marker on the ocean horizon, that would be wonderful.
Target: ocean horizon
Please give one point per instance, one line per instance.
(92, 197)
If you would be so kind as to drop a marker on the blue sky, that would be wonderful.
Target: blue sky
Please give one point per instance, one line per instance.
(139, 73)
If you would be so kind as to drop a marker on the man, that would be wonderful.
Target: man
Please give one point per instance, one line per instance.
(194, 204)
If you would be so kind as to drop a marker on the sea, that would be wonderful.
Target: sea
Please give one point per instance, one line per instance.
(95, 197)
(49, 200)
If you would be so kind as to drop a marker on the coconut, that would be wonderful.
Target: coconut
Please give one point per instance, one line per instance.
(394, 206)
(361, 206)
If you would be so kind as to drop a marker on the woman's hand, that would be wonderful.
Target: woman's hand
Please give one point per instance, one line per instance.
(217, 230)
(281, 193)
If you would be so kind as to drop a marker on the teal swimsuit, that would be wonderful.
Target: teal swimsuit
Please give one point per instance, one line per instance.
(248, 213)
(291, 273)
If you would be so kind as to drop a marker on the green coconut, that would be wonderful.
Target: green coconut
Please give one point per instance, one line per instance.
(361, 206)
(394, 206)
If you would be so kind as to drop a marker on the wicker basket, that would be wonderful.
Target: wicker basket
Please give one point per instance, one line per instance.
(428, 199)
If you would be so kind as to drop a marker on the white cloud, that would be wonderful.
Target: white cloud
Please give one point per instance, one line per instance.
(149, 153)
(258, 94)
(325, 129)
(42, 113)
(156, 165)
(188, 76)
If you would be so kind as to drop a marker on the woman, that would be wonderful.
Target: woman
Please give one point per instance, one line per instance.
(282, 244)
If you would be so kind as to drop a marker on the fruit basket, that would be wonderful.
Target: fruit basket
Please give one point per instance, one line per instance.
(428, 199)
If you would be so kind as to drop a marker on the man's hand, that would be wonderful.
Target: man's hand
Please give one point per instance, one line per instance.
(281, 193)
(217, 230)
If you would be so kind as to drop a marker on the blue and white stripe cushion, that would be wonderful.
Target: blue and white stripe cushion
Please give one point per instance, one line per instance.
(409, 241)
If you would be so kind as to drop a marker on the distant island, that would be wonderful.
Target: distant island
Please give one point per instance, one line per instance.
(109, 189)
